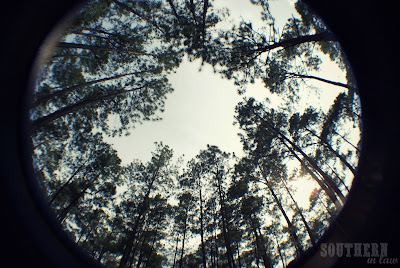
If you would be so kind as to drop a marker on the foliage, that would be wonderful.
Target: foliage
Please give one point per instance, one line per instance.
(109, 73)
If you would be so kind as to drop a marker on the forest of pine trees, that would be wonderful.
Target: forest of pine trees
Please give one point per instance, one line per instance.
(217, 209)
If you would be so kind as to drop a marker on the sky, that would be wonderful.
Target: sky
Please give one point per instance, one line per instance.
(200, 111)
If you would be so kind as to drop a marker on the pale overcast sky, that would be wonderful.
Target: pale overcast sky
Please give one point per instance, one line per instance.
(199, 112)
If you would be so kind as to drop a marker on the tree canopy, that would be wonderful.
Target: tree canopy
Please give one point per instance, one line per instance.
(109, 73)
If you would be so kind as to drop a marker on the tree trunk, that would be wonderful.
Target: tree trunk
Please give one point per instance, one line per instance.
(327, 179)
(214, 246)
(332, 217)
(266, 259)
(327, 145)
(355, 147)
(68, 181)
(140, 258)
(291, 227)
(203, 250)
(225, 232)
(349, 87)
(124, 6)
(101, 253)
(323, 36)
(321, 184)
(260, 243)
(65, 211)
(279, 251)
(203, 30)
(140, 212)
(76, 32)
(193, 11)
(338, 177)
(310, 234)
(238, 255)
(256, 254)
(72, 88)
(80, 29)
(42, 121)
(183, 241)
(83, 232)
(176, 250)
(91, 47)
(151, 252)
(256, 241)
(170, 2)
(137, 243)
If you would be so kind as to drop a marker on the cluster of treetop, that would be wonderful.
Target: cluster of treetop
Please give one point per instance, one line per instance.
(217, 209)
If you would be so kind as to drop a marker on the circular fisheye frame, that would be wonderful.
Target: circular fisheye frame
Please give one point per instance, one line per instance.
(199, 134)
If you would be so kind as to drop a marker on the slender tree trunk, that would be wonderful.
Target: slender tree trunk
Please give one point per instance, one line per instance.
(151, 252)
(176, 250)
(124, 6)
(42, 121)
(293, 147)
(101, 253)
(203, 250)
(65, 211)
(203, 30)
(332, 217)
(323, 36)
(349, 87)
(326, 208)
(131, 256)
(170, 2)
(260, 243)
(256, 254)
(291, 227)
(327, 145)
(80, 29)
(68, 181)
(193, 11)
(91, 47)
(225, 231)
(140, 258)
(279, 251)
(136, 245)
(327, 178)
(140, 212)
(256, 244)
(355, 147)
(214, 239)
(84, 231)
(310, 234)
(338, 177)
(238, 256)
(71, 31)
(292, 231)
(266, 259)
(183, 241)
(75, 87)
(321, 184)
(40, 144)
